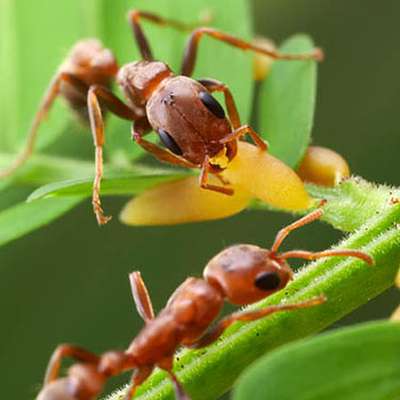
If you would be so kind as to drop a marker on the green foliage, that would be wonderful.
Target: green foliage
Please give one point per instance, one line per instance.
(347, 284)
(133, 182)
(357, 363)
(27, 69)
(286, 114)
(26, 217)
(287, 102)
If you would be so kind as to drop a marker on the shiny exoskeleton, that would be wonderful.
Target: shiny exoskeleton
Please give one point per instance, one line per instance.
(241, 274)
(191, 124)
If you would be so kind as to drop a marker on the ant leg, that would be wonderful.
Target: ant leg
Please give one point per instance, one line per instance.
(284, 232)
(203, 179)
(190, 56)
(243, 130)
(158, 152)
(166, 364)
(66, 350)
(246, 316)
(308, 255)
(216, 86)
(141, 296)
(138, 377)
(48, 99)
(115, 105)
(134, 17)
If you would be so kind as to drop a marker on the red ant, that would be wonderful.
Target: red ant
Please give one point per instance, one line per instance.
(241, 274)
(190, 122)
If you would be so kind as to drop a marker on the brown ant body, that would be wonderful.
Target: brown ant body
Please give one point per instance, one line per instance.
(241, 274)
(190, 123)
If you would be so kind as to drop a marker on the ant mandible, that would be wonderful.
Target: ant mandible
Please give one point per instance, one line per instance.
(190, 123)
(241, 274)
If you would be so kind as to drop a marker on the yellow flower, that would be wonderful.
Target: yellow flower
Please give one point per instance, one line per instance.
(252, 174)
(323, 166)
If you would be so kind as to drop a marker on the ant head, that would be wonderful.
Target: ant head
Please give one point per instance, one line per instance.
(246, 273)
(139, 79)
(92, 62)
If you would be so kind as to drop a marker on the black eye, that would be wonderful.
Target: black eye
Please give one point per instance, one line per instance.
(169, 142)
(212, 104)
(267, 281)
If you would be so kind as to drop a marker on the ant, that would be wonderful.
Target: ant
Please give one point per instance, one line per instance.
(241, 274)
(189, 121)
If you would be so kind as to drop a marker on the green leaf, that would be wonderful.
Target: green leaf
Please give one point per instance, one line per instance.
(357, 363)
(287, 101)
(43, 169)
(28, 62)
(120, 184)
(23, 218)
(347, 284)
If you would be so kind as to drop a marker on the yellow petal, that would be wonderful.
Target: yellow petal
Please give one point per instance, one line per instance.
(262, 63)
(267, 178)
(323, 166)
(180, 202)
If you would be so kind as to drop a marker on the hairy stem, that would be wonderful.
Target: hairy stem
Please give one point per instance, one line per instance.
(372, 213)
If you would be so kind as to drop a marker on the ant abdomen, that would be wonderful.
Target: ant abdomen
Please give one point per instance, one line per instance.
(57, 390)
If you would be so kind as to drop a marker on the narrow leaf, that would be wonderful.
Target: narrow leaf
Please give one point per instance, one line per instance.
(287, 101)
(357, 363)
(347, 283)
(43, 169)
(26, 69)
(119, 184)
(23, 218)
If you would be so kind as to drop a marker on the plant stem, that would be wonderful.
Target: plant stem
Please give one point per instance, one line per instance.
(347, 283)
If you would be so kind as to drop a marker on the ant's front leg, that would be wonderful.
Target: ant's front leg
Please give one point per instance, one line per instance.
(141, 296)
(63, 351)
(247, 316)
(203, 180)
(190, 54)
(115, 105)
(52, 92)
(161, 154)
(244, 130)
(213, 85)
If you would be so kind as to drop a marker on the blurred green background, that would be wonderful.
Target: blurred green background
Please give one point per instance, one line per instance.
(68, 282)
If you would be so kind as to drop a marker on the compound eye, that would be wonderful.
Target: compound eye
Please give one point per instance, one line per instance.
(212, 104)
(267, 281)
(169, 142)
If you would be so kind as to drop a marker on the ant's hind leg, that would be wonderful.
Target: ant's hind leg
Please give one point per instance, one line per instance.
(141, 296)
(48, 99)
(190, 54)
(66, 350)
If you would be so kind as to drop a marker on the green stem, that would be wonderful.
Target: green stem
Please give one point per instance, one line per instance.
(347, 283)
